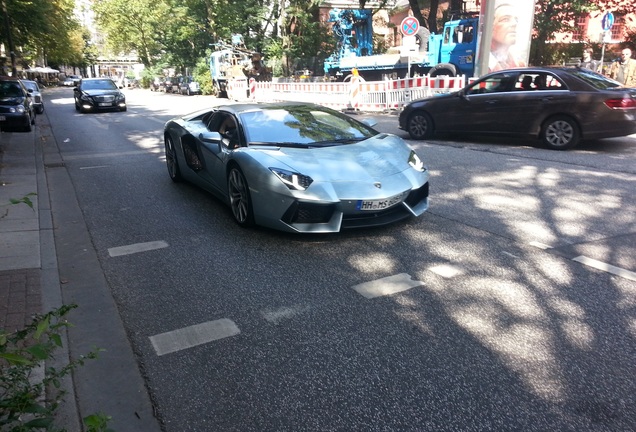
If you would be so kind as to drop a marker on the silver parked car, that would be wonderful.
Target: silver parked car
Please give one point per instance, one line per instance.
(297, 167)
(34, 89)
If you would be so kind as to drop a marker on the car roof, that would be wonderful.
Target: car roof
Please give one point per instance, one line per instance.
(558, 70)
(8, 78)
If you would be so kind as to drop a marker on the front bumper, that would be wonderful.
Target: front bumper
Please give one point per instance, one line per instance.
(12, 120)
(102, 103)
(320, 217)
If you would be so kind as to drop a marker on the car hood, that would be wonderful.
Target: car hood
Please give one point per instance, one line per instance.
(375, 158)
(11, 101)
(100, 92)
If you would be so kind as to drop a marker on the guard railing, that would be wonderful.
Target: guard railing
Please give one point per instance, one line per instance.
(357, 94)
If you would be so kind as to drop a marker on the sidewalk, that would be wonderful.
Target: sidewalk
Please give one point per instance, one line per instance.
(39, 244)
(20, 291)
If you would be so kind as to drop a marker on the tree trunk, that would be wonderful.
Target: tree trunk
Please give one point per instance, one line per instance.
(417, 13)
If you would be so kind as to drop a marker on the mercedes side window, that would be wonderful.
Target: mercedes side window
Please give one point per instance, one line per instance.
(494, 84)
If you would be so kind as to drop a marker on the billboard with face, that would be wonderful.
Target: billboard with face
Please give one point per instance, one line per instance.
(505, 35)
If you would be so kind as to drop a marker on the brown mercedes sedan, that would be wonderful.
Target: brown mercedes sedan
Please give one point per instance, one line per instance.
(560, 106)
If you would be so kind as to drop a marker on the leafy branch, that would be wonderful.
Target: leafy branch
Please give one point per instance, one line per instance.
(28, 401)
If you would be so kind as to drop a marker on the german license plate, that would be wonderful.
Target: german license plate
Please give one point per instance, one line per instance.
(371, 205)
(105, 104)
(2, 118)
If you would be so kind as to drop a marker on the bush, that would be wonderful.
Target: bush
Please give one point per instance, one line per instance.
(29, 402)
(202, 75)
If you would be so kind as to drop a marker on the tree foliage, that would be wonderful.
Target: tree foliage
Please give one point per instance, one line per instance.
(178, 32)
(560, 16)
(133, 26)
(43, 29)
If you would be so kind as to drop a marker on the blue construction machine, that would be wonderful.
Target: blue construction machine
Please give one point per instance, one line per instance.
(452, 52)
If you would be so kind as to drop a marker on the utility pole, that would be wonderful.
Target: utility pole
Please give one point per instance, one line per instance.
(14, 71)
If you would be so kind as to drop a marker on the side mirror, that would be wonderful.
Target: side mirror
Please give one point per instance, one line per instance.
(371, 122)
(211, 140)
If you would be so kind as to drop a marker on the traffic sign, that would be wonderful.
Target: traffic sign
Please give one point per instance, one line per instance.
(410, 26)
(608, 21)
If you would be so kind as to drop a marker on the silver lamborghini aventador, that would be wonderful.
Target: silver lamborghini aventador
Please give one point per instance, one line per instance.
(297, 167)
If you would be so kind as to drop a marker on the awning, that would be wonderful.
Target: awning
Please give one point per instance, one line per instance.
(42, 70)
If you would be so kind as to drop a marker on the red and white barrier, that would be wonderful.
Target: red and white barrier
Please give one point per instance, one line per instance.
(357, 94)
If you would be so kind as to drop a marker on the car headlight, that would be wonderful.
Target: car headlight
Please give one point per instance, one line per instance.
(20, 109)
(416, 162)
(292, 180)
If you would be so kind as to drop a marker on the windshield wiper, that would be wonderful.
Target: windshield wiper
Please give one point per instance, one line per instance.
(280, 144)
(340, 141)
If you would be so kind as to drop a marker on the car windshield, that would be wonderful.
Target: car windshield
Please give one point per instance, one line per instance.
(9, 89)
(596, 80)
(31, 85)
(302, 125)
(105, 84)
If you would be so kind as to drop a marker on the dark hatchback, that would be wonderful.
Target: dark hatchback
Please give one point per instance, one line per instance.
(98, 94)
(16, 105)
(560, 106)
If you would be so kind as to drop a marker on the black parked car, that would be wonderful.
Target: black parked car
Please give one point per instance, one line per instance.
(167, 86)
(560, 106)
(16, 105)
(188, 86)
(95, 94)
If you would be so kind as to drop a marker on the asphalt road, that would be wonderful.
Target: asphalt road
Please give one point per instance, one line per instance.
(510, 305)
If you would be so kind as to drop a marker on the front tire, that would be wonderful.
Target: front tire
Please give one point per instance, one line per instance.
(560, 133)
(444, 69)
(171, 160)
(28, 127)
(420, 125)
(239, 196)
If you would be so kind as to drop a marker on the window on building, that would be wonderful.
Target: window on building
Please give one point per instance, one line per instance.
(580, 29)
(618, 28)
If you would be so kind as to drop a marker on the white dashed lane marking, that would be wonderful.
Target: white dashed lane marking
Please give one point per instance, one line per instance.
(447, 270)
(600, 265)
(192, 336)
(540, 245)
(136, 248)
(386, 286)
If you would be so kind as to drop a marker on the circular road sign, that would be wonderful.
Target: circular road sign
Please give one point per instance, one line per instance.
(410, 26)
(608, 21)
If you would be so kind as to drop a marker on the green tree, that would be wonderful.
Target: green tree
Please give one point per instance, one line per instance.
(42, 29)
(552, 17)
(135, 26)
(557, 16)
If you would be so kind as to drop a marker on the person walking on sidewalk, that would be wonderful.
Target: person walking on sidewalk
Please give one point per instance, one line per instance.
(624, 70)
